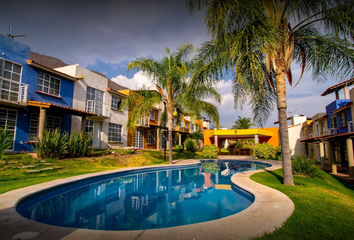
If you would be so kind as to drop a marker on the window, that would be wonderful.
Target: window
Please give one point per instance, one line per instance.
(343, 119)
(94, 100)
(325, 150)
(51, 123)
(116, 102)
(192, 127)
(322, 127)
(151, 137)
(114, 132)
(139, 138)
(181, 124)
(334, 122)
(173, 122)
(10, 76)
(152, 115)
(48, 84)
(8, 122)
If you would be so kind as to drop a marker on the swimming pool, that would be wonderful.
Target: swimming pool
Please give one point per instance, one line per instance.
(146, 199)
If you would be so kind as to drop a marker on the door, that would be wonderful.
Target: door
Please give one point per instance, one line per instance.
(139, 138)
(97, 130)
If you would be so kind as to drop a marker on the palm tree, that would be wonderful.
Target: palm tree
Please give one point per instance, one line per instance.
(260, 40)
(174, 88)
(243, 123)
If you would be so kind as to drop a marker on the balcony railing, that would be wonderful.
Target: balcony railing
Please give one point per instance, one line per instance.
(144, 122)
(13, 91)
(98, 108)
(184, 129)
(350, 126)
(332, 131)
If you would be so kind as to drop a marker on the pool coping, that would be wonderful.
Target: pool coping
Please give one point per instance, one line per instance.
(269, 211)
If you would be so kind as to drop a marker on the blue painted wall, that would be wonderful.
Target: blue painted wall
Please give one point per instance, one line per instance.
(17, 52)
(66, 89)
(335, 105)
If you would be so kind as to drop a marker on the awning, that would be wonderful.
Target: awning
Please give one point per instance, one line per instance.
(338, 87)
(67, 110)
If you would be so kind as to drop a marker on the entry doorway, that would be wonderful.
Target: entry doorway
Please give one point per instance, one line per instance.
(94, 129)
(139, 138)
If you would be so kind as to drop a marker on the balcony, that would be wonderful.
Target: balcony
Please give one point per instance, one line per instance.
(13, 93)
(332, 131)
(99, 108)
(184, 129)
(143, 122)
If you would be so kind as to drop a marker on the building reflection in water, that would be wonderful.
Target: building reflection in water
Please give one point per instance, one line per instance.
(148, 200)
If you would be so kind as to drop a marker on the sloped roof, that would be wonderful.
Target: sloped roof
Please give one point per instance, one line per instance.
(338, 87)
(115, 86)
(51, 70)
(49, 61)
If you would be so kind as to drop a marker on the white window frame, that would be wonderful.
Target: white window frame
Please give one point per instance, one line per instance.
(116, 102)
(48, 84)
(9, 124)
(51, 123)
(115, 132)
(343, 119)
(150, 137)
(9, 86)
(152, 115)
(95, 96)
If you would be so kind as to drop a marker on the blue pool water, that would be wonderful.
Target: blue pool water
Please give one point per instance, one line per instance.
(155, 198)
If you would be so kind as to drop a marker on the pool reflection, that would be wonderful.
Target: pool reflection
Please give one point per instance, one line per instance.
(148, 200)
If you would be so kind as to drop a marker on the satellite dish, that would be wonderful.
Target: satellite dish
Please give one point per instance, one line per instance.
(10, 35)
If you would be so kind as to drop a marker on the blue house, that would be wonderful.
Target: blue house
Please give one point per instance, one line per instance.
(340, 126)
(33, 97)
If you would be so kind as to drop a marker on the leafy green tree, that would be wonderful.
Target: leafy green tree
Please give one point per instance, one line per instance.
(243, 123)
(171, 78)
(260, 39)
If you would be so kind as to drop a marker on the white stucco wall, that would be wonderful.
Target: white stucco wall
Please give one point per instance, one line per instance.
(295, 145)
(94, 80)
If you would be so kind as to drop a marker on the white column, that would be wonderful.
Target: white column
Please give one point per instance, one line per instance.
(179, 138)
(322, 155)
(216, 140)
(42, 118)
(256, 139)
(83, 124)
(346, 93)
(332, 157)
(350, 157)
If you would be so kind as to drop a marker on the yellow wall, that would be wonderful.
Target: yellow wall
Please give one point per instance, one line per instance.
(273, 134)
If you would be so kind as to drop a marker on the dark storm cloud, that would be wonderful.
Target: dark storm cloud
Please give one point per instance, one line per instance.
(81, 31)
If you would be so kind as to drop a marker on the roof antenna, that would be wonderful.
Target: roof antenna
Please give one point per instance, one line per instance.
(10, 35)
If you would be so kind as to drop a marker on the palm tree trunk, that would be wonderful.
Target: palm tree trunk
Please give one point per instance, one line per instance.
(169, 123)
(283, 127)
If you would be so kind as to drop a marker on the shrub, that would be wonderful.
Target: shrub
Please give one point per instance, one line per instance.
(304, 166)
(5, 142)
(277, 152)
(191, 145)
(211, 167)
(129, 150)
(180, 148)
(210, 151)
(53, 144)
(264, 150)
(79, 145)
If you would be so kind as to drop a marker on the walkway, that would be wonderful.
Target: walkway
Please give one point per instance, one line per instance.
(269, 211)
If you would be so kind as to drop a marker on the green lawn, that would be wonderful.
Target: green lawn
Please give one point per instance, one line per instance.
(324, 207)
(21, 169)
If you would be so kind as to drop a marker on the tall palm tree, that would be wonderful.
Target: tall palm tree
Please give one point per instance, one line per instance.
(171, 78)
(243, 123)
(260, 39)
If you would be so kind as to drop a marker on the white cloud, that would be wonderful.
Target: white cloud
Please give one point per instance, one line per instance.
(138, 81)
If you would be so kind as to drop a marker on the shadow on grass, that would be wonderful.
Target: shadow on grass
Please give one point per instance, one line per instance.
(278, 177)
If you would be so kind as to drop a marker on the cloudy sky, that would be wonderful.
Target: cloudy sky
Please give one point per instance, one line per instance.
(106, 35)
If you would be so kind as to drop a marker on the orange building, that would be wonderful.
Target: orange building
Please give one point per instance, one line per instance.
(260, 135)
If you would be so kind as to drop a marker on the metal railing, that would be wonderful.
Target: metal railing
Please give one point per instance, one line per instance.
(144, 122)
(98, 108)
(13, 91)
(332, 131)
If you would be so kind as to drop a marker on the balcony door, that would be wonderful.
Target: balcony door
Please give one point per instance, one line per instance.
(139, 138)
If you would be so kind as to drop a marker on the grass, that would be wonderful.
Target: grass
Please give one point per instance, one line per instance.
(15, 174)
(324, 206)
